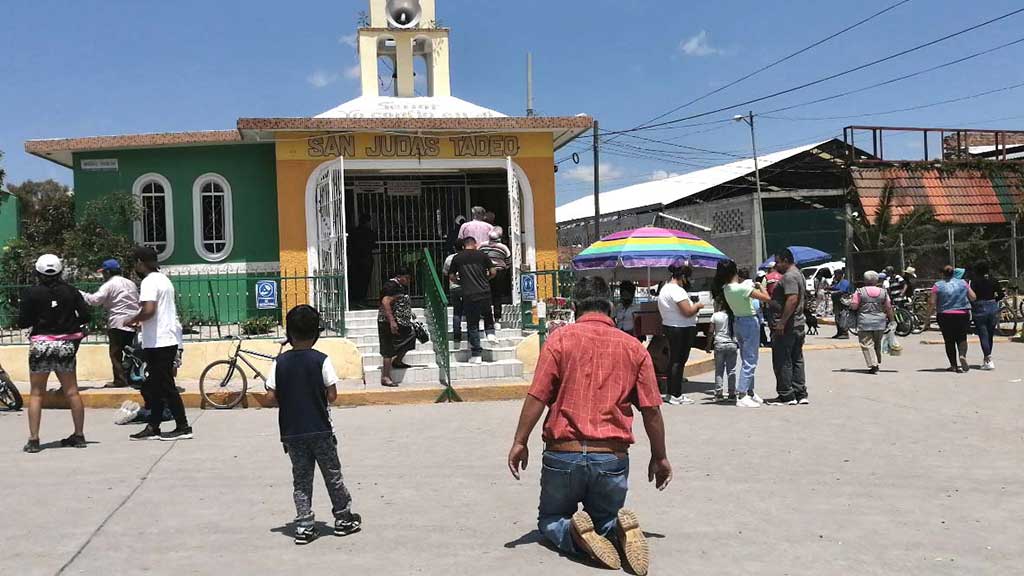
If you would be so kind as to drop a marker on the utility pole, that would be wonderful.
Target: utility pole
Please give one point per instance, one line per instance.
(760, 238)
(952, 250)
(597, 182)
(529, 85)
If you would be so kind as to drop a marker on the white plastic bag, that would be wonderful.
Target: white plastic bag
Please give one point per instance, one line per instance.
(890, 344)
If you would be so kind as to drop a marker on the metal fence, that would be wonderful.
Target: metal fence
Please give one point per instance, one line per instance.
(436, 312)
(960, 250)
(216, 306)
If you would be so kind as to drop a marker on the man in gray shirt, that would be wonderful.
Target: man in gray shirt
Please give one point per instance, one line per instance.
(788, 333)
(120, 298)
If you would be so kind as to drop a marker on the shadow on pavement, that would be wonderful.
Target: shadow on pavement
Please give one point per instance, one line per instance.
(288, 530)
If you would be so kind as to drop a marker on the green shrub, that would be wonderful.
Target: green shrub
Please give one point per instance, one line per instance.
(258, 325)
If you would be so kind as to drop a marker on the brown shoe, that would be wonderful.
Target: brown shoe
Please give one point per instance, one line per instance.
(634, 543)
(596, 546)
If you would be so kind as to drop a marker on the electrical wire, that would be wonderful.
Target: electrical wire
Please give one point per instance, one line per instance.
(826, 78)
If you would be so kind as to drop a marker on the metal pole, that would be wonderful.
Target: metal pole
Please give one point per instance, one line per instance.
(529, 84)
(849, 240)
(760, 242)
(597, 182)
(903, 256)
(952, 251)
(1013, 247)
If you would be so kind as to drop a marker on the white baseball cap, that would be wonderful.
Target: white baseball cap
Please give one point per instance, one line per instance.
(49, 265)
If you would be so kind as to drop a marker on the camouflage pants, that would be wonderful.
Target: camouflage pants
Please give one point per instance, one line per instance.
(305, 455)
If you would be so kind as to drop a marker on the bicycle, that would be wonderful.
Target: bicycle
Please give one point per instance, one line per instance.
(1011, 312)
(10, 397)
(907, 320)
(223, 383)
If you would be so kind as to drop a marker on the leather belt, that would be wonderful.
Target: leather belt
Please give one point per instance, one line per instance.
(617, 447)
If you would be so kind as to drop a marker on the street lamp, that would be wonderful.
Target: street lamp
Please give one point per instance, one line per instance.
(760, 243)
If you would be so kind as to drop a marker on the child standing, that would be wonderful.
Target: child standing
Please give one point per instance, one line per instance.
(726, 351)
(304, 384)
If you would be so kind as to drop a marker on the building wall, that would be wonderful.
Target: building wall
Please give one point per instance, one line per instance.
(248, 169)
(10, 218)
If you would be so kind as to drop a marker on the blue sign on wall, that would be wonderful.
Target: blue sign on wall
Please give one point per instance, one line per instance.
(528, 287)
(266, 295)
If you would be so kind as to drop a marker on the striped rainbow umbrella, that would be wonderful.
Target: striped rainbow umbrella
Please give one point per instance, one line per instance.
(631, 253)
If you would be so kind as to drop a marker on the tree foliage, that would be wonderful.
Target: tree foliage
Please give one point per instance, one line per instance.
(83, 242)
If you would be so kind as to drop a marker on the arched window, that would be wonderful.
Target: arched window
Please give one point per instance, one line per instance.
(212, 222)
(155, 227)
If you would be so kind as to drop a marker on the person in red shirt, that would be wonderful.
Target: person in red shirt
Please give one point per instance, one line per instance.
(590, 375)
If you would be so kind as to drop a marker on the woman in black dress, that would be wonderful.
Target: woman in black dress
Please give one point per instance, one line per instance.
(395, 325)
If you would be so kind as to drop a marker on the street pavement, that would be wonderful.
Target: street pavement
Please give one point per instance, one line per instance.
(913, 471)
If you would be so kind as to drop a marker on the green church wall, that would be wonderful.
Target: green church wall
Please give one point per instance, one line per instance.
(248, 169)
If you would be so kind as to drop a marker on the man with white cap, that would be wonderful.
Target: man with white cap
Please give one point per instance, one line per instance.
(120, 298)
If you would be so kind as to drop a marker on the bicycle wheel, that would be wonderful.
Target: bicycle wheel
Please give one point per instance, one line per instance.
(223, 384)
(9, 394)
(904, 323)
(1008, 319)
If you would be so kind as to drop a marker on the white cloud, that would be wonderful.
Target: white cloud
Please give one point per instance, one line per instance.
(349, 40)
(320, 78)
(662, 174)
(353, 72)
(698, 45)
(586, 173)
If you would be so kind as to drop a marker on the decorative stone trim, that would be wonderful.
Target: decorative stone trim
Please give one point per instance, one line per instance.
(223, 268)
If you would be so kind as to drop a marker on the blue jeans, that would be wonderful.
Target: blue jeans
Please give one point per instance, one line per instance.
(598, 480)
(986, 320)
(748, 336)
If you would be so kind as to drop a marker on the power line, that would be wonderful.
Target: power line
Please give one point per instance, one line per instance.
(899, 78)
(777, 62)
(826, 78)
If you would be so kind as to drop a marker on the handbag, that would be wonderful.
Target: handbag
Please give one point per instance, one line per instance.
(421, 333)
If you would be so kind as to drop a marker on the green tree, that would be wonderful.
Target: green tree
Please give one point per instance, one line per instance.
(35, 195)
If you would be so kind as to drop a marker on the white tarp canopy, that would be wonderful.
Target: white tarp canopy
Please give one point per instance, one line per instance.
(669, 190)
(418, 107)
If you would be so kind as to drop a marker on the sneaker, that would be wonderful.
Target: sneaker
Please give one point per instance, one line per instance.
(73, 441)
(756, 398)
(32, 447)
(719, 395)
(803, 401)
(476, 360)
(680, 400)
(178, 434)
(964, 366)
(349, 524)
(497, 325)
(147, 433)
(781, 402)
(128, 411)
(873, 370)
(593, 544)
(492, 338)
(633, 542)
(666, 398)
(731, 398)
(306, 535)
(747, 402)
(988, 364)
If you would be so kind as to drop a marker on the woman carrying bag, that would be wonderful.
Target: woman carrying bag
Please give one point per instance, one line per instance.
(874, 313)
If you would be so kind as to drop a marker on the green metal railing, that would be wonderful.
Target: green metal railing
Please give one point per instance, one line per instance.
(436, 307)
(217, 306)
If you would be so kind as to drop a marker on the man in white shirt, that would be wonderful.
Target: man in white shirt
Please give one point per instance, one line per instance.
(160, 337)
(119, 296)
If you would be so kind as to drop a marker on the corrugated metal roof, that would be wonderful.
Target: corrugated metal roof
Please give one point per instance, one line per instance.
(669, 190)
(957, 196)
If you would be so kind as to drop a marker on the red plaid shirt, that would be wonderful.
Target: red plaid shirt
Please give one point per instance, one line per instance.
(590, 374)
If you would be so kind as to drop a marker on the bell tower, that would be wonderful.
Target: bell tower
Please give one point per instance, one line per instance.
(400, 32)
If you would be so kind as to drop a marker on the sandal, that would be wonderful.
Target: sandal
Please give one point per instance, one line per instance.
(388, 384)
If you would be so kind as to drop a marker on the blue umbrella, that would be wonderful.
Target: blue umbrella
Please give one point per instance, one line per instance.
(804, 256)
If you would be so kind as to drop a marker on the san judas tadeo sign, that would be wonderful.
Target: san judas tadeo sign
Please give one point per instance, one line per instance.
(400, 146)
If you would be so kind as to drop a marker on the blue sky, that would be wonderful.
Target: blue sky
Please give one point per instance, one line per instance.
(94, 67)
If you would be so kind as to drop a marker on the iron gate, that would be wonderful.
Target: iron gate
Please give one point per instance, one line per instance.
(409, 214)
(328, 291)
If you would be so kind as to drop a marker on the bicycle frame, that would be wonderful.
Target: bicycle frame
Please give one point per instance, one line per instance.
(240, 354)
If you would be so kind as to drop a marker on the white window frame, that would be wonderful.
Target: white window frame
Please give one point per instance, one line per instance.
(197, 217)
(137, 187)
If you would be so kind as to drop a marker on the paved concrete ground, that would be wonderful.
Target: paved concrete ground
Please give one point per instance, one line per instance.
(913, 471)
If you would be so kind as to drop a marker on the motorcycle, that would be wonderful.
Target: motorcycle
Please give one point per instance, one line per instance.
(10, 397)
